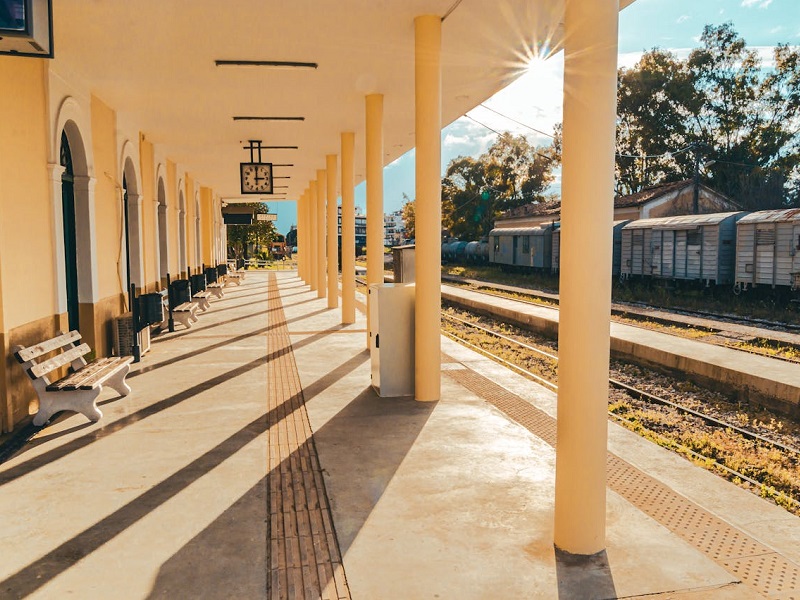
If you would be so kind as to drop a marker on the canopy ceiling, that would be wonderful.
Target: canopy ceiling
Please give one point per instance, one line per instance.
(154, 62)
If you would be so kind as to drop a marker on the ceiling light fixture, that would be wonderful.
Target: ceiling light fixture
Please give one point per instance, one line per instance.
(256, 118)
(279, 64)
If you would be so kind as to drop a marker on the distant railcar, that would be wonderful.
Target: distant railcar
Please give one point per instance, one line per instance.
(616, 259)
(768, 249)
(685, 247)
(522, 248)
(477, 252)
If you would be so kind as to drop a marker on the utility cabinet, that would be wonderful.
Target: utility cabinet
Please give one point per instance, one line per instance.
(391, 338)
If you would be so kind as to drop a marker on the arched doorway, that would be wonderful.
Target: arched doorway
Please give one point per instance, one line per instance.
(182, 232)
(163, 245)
(132, 230)
(70, 236)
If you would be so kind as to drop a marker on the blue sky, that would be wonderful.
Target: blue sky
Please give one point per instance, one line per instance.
(535, 98)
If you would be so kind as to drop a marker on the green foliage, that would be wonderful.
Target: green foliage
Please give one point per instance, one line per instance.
(243, 239)
(738, 117)
(475, 191)
(408, 217)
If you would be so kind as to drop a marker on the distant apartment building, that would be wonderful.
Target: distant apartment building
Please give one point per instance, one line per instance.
(361, 231)
(394, 230)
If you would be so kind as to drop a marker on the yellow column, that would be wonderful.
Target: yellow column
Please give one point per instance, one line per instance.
(322, 286)
(428, 112)
(332, 225)
(302, 255)
(374, 192)
(587, 208)
(311, 215)
(348, 228)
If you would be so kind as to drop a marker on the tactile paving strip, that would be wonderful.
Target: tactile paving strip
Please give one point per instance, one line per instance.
(763, 569)
(304, 557)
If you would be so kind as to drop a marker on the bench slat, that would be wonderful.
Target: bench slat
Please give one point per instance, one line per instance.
(65, 358)
(32, 352)
(74, 380)
(112, 367)
(185, 307)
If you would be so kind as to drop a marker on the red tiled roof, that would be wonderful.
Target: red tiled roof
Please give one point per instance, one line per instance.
(541, 209)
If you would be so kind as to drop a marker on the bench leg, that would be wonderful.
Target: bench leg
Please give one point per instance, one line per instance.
(184, 318)
(117, 382)
(217, 291)
(82, 401)
(203, 302)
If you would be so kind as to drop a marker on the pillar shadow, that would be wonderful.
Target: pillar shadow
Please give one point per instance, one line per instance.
(229, 558)
(214, 555)
(59, 452)
(585, 577)
(361, 448)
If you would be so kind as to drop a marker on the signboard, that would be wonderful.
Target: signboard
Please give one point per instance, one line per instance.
(26, 28)
(267, 217)
(237, 219)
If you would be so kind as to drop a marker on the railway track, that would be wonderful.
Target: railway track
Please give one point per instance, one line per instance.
(637, 315)
(740, 465)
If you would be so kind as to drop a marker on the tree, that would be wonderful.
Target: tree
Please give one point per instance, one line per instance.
(242, 237)
(475, 191)
(718, 107)
(407, 214)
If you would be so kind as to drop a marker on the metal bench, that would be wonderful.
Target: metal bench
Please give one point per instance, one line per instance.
(79, 390)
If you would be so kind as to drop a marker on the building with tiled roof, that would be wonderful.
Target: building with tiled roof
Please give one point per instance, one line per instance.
(668, 199)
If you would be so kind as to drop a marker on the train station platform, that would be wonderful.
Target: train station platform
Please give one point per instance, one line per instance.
(254, 460)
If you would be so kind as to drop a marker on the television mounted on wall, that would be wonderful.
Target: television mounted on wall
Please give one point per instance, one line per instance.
(26, 28)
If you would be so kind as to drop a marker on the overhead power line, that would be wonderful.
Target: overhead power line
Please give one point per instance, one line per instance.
(539, 131)
(498, 133)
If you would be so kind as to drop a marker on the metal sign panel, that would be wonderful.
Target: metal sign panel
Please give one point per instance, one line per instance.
(267, 217)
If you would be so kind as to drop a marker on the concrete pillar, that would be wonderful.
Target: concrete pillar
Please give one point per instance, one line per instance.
(301, 236)
(313, 241)
(587, 213)
(333, 234)
(322, 286)
(348, 228)
(428, 112)
(374, 135)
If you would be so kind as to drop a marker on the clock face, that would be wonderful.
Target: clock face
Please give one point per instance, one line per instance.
(256, 178)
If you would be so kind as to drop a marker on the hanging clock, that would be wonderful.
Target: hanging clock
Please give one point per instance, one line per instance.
(256, 178)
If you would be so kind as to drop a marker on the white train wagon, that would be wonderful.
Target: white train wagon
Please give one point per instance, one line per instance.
(768, 249)
(686, 247)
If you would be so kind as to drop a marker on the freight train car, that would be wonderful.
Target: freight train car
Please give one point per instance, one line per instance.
(685, 247)
(768, 249)
(522, 248)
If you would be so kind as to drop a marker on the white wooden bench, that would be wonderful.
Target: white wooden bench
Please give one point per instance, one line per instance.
(202, 300)
(79, 390)
(234, 277)
(216, 288)
(184, 313)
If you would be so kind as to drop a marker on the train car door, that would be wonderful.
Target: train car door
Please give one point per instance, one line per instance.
(765, 254)
(514, 245)
(694, 245)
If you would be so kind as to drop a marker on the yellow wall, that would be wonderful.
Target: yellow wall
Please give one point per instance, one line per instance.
(108, 202)
(148, 207)
(207, 226)
(25, 194)
(190, 227)
(27, 272)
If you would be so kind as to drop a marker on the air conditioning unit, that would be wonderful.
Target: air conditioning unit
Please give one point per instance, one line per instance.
(123, 336)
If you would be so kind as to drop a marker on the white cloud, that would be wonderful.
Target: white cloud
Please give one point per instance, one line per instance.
(757, 3)
(683, 19)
